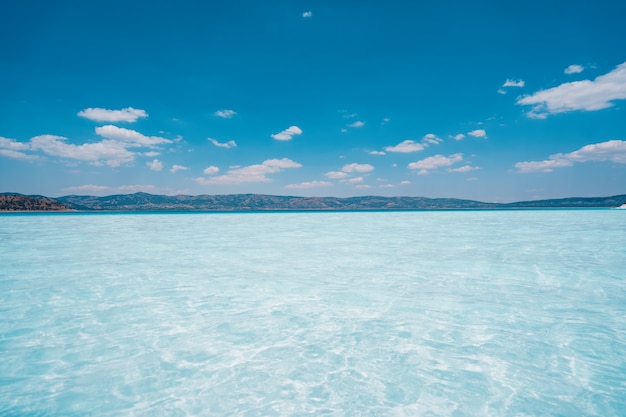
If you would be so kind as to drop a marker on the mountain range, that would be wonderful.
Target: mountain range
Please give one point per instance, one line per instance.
(261, 202)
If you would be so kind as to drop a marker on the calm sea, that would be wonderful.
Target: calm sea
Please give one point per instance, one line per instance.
(477, 313)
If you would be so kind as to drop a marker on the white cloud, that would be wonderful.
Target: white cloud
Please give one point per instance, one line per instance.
(355, 180)
(478, 133)
(434, 162)
(251, 173)
(227, 145)
(336, 175)
(10, 153)
(211, 170)
(128, 114)
(307, 14)
(574, 69)
(385, 120)
(155, 165)
(358, 123)
(460, 136)
(309, 184)
(109, 152)
(513, 83)
(225, 114)
(288, 133)
(12, 144)
(405, 147)
(176, 168)
(344, 130)
(612, 151)
(578, 95)
(501, 91)
(357, 168)
(431, 139)
(88, 188)
(377, 153)
(466, 168)
(405, 182)
(130, 137)
(135, 188)
(363, 186)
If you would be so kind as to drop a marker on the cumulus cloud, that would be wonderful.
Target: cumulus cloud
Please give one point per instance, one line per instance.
(434, 162)
(110, 152)
(176, 168)
(612, 151)
(211, 170)
(377, 153)
(478, 133)
(583, 95)
(357, 168)
(309, 184)
(358, 123)
(307, 14)
(130, 137)
(128, 114)
(155, 165)
(466, 168)
(88, 188)
(355, 180)
(405, 146)
(288, 133)
(225, 114)
(405, 182)
(574, 69)
(226, 145)
(460, 136)
(336, 175)
(11, 148)
(513, 83)
(251, 173)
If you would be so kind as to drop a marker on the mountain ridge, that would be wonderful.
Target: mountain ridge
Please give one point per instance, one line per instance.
(263, 202)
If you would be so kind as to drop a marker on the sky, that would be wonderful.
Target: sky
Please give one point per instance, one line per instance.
(483, 100)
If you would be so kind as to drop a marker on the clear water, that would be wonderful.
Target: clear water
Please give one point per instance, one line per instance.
(517, 313)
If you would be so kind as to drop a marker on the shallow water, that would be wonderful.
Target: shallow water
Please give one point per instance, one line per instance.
(490, 313)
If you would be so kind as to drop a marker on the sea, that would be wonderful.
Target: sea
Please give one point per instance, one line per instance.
(416, 313)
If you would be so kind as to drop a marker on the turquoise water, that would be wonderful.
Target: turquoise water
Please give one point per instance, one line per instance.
(479, 313)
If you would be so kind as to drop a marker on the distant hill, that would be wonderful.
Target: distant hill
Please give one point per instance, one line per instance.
(261, 202)
(18, 202)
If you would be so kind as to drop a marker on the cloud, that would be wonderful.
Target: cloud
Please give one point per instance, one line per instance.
(309, 184)
(357, 168)
(251, 173)
(130, 137)
(358, 123)
(405, 182)
(110, 152)
(612, 151)
(225, 114)
(88, 188)
(460, 136)
(501, 91)
(336, 175)
(574, 69)
(385, 121)
(434, 162)
(513, 83)
(211, 170)
(128, 114)
(307, 14)
(466, 168)
(135, 188)
(584, 95)
(227, 145)
(176, 168)
(405, 147)
(431, 139)
(478, 133)
(11, 148)
(288, 133)
(377, 153)
(355, 180)
(155, 165)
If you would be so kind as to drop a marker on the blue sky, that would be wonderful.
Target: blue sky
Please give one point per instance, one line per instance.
(486, 100)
